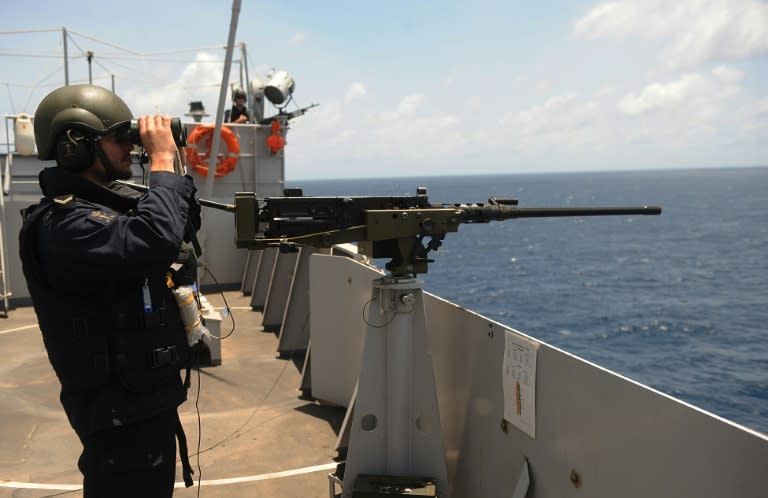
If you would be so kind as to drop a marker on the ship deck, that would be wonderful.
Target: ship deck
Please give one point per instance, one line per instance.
(256, 434)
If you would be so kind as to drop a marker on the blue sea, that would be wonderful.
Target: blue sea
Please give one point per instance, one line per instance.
(678, 302)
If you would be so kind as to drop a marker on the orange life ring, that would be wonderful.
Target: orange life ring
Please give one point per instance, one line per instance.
(202, 135)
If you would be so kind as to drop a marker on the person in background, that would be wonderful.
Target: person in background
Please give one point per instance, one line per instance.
(99, 259)
(239, 112)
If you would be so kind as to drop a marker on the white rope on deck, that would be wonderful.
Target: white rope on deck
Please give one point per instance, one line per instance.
(8, 331)
(211, 482)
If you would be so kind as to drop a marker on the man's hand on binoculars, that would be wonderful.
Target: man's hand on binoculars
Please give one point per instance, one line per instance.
(157, 139)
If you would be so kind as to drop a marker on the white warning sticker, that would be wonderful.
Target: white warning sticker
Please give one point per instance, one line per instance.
(519, 382)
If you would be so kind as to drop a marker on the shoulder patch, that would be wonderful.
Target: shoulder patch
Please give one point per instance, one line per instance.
(102, 217)
(63, 200)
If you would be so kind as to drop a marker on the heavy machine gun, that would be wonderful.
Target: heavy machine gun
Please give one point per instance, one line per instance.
(287, 116)
(402, 228)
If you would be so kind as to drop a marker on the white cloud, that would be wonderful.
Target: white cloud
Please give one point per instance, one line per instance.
(409, 104)
(679, 117)
(659, 95)
(366, 133)
(727, 74)
(328, 115)
(199, 80)
(356, 90)
(693, 31)
(447, 121)
(608, 20)
(405, 108)
(761, 106)
(561, 120)
(693, 94)
(298, 38)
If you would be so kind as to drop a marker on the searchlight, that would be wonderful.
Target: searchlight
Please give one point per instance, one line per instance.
(279, 88)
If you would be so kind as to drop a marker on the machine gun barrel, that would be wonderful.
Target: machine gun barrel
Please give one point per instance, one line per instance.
(203, 202)
(216, 205)
(499, 212)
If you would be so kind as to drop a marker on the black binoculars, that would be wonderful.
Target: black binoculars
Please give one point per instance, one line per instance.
(178, 131)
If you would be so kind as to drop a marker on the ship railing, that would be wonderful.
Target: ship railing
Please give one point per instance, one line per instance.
(580, 426)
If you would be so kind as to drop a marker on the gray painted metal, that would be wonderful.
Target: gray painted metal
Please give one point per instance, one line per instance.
(597, 434)
(279, 288)
(395, 429)
(219, 257)
(294, 331)
(257, 170)
(305, 385)
(342, 440)
(249, 272)
(263, 278)
(16, 285)
(339, 289)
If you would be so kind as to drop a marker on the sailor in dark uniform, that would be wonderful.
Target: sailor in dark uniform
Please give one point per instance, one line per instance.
(239, 112)
(98, 260)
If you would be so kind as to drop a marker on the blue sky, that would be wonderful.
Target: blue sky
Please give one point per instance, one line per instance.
(434, 88)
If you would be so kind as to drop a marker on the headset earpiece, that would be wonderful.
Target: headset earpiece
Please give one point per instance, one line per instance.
(74, 151)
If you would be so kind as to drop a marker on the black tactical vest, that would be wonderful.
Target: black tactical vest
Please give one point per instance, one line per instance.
(117, 360)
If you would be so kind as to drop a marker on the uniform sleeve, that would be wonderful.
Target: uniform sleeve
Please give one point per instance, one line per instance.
(83, 241)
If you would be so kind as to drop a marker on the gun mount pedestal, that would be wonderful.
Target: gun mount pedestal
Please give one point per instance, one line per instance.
(395, 429)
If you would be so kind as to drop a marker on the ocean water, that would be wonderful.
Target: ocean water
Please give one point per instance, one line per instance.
(678, 302)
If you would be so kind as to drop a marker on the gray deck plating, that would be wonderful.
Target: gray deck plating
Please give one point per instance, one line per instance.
(254, 421)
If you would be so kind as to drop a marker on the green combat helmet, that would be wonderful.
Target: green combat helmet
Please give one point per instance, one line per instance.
(93, 109)
(238, 93)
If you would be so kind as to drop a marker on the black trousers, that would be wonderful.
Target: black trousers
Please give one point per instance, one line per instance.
(131, 461)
